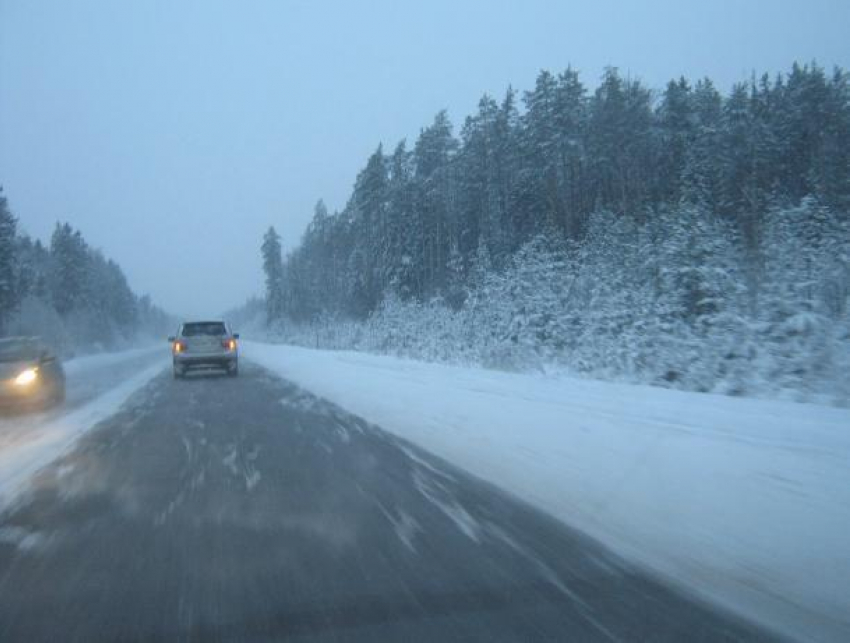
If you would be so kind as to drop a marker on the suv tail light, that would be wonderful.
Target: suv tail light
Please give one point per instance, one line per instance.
(179, 347)
(229, 344)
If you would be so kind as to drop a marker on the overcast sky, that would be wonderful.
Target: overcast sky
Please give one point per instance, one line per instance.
(173, 133)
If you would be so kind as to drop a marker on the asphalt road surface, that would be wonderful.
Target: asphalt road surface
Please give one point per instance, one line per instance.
(219, 509)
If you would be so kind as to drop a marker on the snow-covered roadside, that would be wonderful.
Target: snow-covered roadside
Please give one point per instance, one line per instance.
(744, 501)
(86, 363)
(44, 441)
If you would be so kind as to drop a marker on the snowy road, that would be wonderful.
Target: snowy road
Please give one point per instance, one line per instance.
(744, 501)
(97, 385)
(87, 378)
(247, 509)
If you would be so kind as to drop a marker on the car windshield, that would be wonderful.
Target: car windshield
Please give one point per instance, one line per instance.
(197, 329)
(17, 350)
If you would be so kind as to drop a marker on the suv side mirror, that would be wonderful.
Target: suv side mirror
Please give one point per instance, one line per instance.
(172, 338)
(235, 335)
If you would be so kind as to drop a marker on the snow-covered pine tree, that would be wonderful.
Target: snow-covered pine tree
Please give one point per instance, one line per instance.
(676, 124)
(404, 227)
(700, 175)
(69, 270)
(9, 295)
(273, 268)
(434, 199)
(620, 144)
(370, 251)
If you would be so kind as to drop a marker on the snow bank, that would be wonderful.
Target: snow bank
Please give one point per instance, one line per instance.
(88, 363)
(745, 501)
(44, 442)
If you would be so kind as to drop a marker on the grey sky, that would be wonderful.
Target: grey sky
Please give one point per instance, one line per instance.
(173, 133)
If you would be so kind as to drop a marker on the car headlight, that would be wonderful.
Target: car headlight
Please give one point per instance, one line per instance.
(27, 377)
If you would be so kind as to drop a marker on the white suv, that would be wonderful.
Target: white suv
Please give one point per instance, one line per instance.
(205, 345)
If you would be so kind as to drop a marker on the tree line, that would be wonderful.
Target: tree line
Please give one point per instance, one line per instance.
(67, 291)
(688, 211)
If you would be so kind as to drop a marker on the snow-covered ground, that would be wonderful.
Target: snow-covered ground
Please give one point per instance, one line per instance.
(97, 386)
(86, 364)
(746, 502)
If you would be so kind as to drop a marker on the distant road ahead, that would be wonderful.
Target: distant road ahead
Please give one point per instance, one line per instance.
(247, 509)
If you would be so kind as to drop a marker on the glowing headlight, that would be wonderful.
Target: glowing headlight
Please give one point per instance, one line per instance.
(27, 377)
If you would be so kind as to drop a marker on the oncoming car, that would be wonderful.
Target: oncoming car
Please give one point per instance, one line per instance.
(30, 374)
(205, 345)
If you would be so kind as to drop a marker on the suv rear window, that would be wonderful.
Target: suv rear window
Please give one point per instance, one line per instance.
(203, 328)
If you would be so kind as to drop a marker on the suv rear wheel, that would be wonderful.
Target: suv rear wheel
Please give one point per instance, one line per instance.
(233, 371)
(178, 373)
